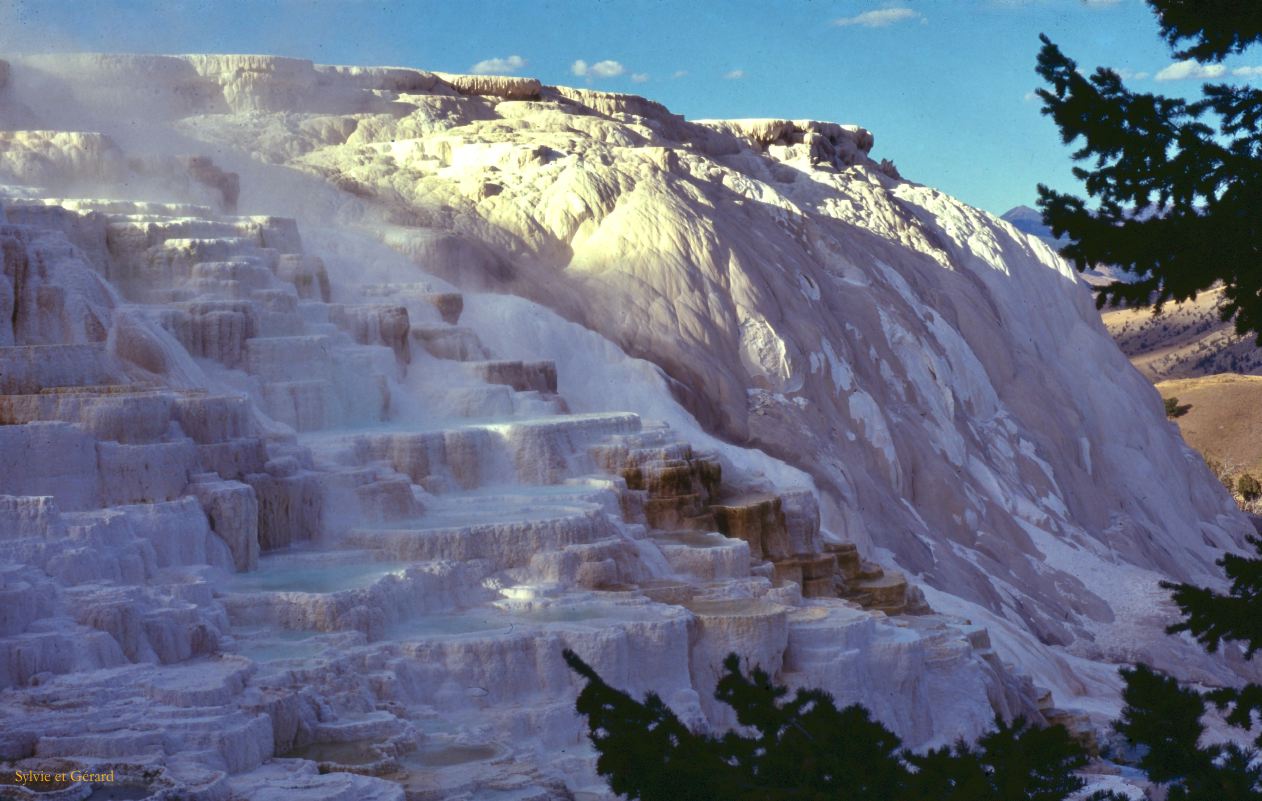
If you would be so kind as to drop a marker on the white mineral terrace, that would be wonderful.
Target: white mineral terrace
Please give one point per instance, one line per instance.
(285, 514)
(278, 563)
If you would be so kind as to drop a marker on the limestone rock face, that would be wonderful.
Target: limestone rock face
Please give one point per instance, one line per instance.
(77, 160)
(70, 307)
(233, 513)
(804, 300)
(504, 86)
(316, 455)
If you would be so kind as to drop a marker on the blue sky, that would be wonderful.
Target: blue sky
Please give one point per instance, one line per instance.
(945, 85)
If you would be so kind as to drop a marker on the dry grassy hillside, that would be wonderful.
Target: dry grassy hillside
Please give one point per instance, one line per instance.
(1192, 355)
(1187, 340)
(1224, 422)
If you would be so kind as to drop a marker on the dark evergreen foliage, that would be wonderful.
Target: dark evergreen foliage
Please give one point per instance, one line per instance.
(1165, 719)
(1029, 763)
(803, 748)
(1176, 196)
(1176, 186)
(805, 744)
(645, 750)
(1017, 762)
(947, 774)
(1216, 28)
(1212, 617)
(1243, 705)
(1230, 779)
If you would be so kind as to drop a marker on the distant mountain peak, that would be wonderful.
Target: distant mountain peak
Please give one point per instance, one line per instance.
(1030, 221)
(1020, 213)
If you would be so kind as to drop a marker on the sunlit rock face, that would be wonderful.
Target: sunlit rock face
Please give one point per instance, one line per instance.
(334, 406)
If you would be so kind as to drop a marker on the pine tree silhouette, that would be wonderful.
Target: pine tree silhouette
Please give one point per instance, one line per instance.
(803, 748)
(1176, 202)
(1166, 720)
(1212, 617)
(1176, 197)
(645, 750)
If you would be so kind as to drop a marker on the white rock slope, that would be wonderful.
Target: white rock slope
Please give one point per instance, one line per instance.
(276, 504)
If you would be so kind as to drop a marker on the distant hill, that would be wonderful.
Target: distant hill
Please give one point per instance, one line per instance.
(1030, 221)
(1187, 340)
(1224, 421)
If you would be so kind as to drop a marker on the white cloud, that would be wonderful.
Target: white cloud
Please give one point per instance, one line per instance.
(1183, 70)
(639, 77)
(498, 66)
(680, 73)
(879, 17)
(601, 69)
(734, 75)
(1247, 72)
(1130, 75)
(607, 69)
(1029, 97)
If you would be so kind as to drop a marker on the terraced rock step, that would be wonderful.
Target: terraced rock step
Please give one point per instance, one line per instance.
(449, 342)
(29, 369)
(132, 414)
(530, 451)
(674, 488)
(521, 376)
(708, 556)
(378, 324)
(849, 563)
(502, 544)
(449, 305)
(758, 520)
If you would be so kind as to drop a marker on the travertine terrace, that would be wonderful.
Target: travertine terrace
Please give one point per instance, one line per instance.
(337, 401)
